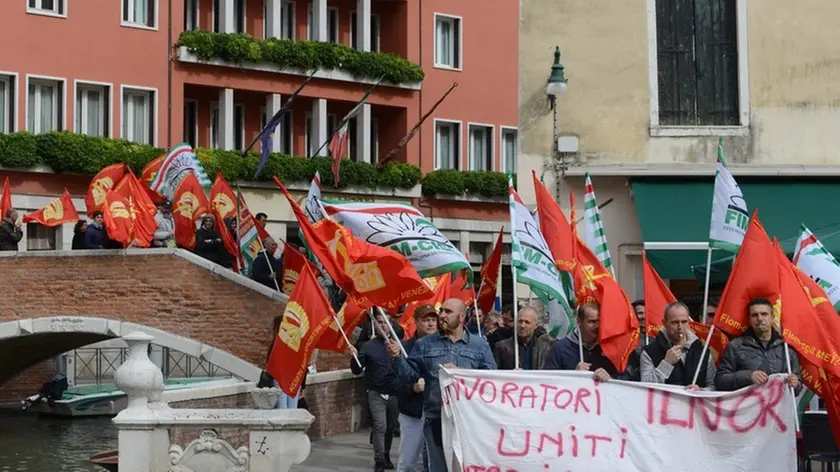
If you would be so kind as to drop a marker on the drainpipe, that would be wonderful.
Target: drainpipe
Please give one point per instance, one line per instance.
(169, 54)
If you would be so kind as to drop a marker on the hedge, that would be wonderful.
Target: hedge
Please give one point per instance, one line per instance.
(66, 152)
(302, 55)
(468, 183)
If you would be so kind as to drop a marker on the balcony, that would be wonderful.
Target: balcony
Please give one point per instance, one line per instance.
(330, 60)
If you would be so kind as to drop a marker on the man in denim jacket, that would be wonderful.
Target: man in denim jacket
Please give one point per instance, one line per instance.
(451, 347)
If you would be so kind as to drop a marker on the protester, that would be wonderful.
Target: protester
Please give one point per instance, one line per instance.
(505, 330)
(491, 323)
(639, 309)
(760, 352)
(10, 231)
(534, 345)
(209, 244)
(367, 331)
(79, 235)
(566, 353)
(261, 218)
(381, 387)
(95, 234)
(711, 308)
(412, 442)
(673, 356)
(165, 233)
(268, 269)
(451, 347)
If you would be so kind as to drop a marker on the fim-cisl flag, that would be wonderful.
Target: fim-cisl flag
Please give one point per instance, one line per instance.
(306, 318)
(534, 263)
(180, 161)
(815, 260)
(56, 213)
(730, 216)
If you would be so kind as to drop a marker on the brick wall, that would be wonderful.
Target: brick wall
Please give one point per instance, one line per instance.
(235, 436)
(26, 383)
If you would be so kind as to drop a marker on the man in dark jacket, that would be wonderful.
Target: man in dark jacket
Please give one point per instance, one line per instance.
(10, 231)
(268, 269)
(95, 234)
(534, 345)
(673, 356)
(381, 387)
(566, 353)
(412, 442)
(209, 245)
(505, 331)
(760, 352)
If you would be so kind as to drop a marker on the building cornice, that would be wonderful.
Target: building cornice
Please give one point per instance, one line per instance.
(702, 170)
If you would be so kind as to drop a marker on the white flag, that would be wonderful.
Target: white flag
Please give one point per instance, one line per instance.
(730, 217)
(813, 258)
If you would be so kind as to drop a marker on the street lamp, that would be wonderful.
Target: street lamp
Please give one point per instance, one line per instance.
(556, 84)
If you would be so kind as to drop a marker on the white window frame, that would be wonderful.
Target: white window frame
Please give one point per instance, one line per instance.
(194, 6)
(61, 99)
(460, 146)
(107, 121)
(378, 31)
(45, 12)
(492, 150)
(287, 35)
(244, 17)
(13, 86)
(307, 119)
(155, 110)
(335, 29)
(502, 149)
(131, 24)
(460, 20)
(743, 82)
(196, 116)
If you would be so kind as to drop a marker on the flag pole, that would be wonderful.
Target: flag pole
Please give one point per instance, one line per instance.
(706, 288)
(573, 222)
(344, 335)
(790, 388)
(515, 283)
(477, 316)
(391, 327)
(239, 258)
(262, 248)
(703, 354)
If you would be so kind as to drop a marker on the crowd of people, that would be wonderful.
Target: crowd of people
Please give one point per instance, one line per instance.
(406, 391)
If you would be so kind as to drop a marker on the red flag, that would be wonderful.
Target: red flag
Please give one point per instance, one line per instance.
(490, 276)
(261, 232)
(147, 176)
(350, 315)
(338, 147)
(357, 266)
(103, 181)
(6, 199)
(56, 213)
(755, 274)
(141, 207)
(306, 318)
(223, 205)
(553, 222)
(117, 215)
(657, 297)
(462, 289)
(293, 264)
(832, 405)
(189, 205)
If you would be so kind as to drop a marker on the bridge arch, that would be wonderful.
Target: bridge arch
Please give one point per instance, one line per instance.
(26, 342)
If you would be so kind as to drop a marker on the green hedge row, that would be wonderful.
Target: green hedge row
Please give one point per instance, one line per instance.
(468, 183)
(66, 152)
(303, 55)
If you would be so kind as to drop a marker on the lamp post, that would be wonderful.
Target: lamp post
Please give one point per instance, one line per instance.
(555, 86)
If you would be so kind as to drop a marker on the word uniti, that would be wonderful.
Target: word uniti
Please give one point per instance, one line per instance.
(559, 444)
(719, 413)
(586, 400)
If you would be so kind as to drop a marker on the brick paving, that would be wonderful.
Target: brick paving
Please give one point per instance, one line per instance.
(349, 452)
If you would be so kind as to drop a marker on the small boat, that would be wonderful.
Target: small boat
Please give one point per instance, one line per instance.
(108, 460)
(105, 399)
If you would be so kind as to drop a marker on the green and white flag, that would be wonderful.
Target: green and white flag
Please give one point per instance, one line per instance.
(403, 228)
(534, 264)
(815, 260)
(593, 228)
(730, 216)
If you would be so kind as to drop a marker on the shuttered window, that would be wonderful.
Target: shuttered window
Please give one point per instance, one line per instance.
(697, 56)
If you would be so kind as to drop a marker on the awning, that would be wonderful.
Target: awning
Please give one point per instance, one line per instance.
(679, 210)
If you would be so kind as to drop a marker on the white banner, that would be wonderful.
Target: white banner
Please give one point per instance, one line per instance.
(815, 260)
(538, 421)
(730, 217)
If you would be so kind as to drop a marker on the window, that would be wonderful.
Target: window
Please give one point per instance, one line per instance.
(312, 147)
(139, 13)
(45, 106)
(191, 122)
(238, 127)
(238, 16)
(214, 126)
(374, 32)
(40, 237)
(7, 103)
(285, 125)
(138, 116)
(352, 142)
(447, 42)
(332, 25)
(54, 7)
(287, 19)
(697, 62)
(481, 147)
(509, 148)
(447, 144)
(191, 15)
(93, 110)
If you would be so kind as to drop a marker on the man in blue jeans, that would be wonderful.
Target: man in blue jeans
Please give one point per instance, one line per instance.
(451, 347)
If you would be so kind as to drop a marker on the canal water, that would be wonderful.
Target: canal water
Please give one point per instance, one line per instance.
(29, 442)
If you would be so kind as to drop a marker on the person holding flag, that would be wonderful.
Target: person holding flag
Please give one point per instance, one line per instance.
(10, 231)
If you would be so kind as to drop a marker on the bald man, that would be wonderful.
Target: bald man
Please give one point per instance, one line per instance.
(450, 347)
(534, 345)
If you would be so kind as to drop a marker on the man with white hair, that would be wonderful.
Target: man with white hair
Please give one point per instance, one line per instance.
(533, 345)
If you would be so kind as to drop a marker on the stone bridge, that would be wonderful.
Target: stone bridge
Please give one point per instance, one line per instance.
(56, 301)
